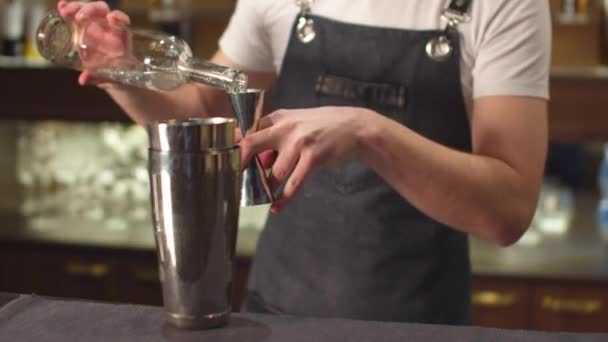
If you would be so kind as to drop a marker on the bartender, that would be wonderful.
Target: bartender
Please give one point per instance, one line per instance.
(401, 128)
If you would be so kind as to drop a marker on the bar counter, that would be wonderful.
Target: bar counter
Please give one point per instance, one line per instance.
(34, 318)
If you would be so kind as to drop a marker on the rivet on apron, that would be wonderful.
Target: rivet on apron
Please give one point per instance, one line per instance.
(440, 48)
(306, 25)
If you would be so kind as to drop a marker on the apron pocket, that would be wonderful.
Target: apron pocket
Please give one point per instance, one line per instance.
(387, 99)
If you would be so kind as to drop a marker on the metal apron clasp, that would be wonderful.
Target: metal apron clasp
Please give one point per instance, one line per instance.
(305, 27)
(440, 48)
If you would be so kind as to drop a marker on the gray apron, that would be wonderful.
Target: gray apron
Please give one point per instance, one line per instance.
(348, 245)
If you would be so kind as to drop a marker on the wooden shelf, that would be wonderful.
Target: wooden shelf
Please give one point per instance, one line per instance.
(34, 93)
(196, 8)
(579, 104)
(577, 110)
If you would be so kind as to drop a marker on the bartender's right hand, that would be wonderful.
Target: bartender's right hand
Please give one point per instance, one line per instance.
(107, 40)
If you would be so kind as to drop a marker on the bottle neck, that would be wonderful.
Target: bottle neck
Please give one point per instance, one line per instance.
(202, 71)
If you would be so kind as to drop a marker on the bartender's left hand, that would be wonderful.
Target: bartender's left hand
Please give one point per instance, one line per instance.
(304, 140)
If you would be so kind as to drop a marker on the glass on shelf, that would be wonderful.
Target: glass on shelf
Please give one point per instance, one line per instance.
(555, 209)
(173, 17)
(95, 173)
(574, 12)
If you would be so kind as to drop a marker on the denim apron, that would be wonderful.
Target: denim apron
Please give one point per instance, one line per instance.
(348, 245)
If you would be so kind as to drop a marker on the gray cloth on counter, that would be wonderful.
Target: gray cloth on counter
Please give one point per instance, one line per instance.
(33, 318)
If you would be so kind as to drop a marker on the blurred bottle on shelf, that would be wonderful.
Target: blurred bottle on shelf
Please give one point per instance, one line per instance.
(602, 209)
(173, 17)
(555, 209)
(568, 8)
(582, 8)
(114, 4)
(36, 10)
(575, 12)
(13, 27)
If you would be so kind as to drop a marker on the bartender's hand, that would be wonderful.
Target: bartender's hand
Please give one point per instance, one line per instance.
(305, 139)
(104, 34)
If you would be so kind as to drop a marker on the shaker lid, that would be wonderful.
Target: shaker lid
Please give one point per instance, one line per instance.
(192, 135)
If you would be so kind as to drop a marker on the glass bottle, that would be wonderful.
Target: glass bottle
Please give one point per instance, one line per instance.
(141, 58)
(12, 23)
(602, 208)
(173, 17)
(36, 11)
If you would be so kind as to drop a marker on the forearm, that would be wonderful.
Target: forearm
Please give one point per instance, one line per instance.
(473, 193)
(189, 101)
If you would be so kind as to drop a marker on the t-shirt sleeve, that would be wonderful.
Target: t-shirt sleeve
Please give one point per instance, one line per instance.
(514, 53)
(245, 40)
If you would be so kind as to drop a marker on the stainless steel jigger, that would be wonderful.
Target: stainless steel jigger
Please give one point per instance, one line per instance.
(248, 109)
(194, 170)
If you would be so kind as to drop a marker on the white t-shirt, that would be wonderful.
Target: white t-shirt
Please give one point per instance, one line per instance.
(506, 46)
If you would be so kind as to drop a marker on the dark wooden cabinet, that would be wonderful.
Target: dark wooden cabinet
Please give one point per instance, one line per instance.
(92, 273)
(82, 276)
(21, 271)
(59, 272)
(571, 307)
(501, 303)
(140, 283)
(131, 276)
(540, 304)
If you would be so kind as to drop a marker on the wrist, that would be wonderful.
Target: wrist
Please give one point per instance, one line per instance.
(368, 132)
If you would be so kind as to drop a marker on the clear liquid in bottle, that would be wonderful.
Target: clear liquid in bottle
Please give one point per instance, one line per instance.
(140, 58)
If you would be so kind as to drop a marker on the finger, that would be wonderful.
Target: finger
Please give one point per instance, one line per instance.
(285, 162)
(61, 4)
(110, 85)
(118, 18)
(257, 142)
(265, 122)
(271, 119)
(69, 9)
(302, 169)
(97, 9)
(87, 77)
(268, 158)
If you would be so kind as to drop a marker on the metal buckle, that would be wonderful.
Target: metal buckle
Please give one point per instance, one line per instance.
(306, 26)
(304, 3)
(454, 17)
(440, 48)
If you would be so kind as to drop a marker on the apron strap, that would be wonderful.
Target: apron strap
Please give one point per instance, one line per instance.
(440, 48)
(456, 12)
(460, 6)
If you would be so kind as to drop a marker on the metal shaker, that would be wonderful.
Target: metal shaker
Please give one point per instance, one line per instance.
(195, 193)
(248, 109)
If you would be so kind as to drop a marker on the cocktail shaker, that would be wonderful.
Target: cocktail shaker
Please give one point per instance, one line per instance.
(194, 168)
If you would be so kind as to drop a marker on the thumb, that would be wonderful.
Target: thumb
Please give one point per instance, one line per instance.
(87, 77)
